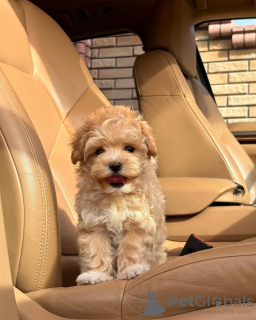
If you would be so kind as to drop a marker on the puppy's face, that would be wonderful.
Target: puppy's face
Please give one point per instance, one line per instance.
(114, 147)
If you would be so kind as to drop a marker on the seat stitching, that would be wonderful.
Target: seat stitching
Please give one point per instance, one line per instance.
(37, 166)
(23, 202)
(191, 263)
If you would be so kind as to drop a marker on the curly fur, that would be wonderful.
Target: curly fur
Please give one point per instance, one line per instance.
(121, 230)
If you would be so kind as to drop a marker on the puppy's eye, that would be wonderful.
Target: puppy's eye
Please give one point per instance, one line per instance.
(99, 151)
(129, 149)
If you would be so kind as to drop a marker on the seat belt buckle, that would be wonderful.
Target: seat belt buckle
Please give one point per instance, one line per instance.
(194, 244)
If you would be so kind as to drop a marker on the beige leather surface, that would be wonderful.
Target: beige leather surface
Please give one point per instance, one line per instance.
(220, 270)
(187, 144)
(245, 127)
(70, 264)
(8, 309)
(186, 196)
(172, 23)
(176, 118)
(37, 241)
(242, 126)
(49, 100)
(211, 112)
(231, 223)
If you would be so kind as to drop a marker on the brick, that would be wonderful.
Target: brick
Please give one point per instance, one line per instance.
(202, 45)
(115, 52)
(80, 47)
(131, 103)
(115, 73)
(103, 63)
(88, 42)
(242, 54)
(242, 120)
(242, 77)
(253, 65)
(94, 74)
(242, 100)
(105, 84)
(214, 56)
(125, 83)
(252, 88)
(218, 78)
(206, 67)
(125, 62)
(95, 53)
(221, 101)
(117, 94)
(229, 89)
(201, 35)
(228, 66)
(104, 42)
(252, 111)
(138, 51)
(128, 41)
(220, 44)
(233, 112)
(134, 94)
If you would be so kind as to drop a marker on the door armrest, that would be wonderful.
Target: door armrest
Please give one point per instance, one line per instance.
(187, 196)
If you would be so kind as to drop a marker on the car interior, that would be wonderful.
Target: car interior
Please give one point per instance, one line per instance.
(208, 179)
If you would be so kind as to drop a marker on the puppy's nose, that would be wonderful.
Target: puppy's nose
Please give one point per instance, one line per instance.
(115, 166)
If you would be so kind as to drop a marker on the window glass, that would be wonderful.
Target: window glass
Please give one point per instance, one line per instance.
(228, 51)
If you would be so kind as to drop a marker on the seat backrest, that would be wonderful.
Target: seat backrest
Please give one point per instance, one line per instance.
(193, 139)
(45, 91)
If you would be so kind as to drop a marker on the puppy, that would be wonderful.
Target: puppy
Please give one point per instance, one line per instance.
(121, 229)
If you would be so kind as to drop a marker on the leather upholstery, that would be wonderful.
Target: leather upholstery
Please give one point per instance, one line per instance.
(199, 193)
(168, 105)
(231, 267)
(172, 23)
(180, 108)
(45, 87)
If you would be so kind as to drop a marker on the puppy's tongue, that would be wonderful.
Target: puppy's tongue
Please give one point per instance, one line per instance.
(116, 179)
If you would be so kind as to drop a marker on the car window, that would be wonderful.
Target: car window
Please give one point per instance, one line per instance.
(110, 61)
(228, 52)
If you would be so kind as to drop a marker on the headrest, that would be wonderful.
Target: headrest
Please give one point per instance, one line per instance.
(171, 28)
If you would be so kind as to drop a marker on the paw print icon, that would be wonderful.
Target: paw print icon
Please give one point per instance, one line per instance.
(216, 301)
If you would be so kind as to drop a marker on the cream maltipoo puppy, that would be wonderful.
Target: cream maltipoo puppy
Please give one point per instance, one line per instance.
(120, 203)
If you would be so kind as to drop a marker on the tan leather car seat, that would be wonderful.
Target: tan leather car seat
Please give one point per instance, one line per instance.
(193, 139)
(45, 90)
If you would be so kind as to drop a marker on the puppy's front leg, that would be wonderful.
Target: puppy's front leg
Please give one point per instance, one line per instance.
(96, 255)
(136, 249)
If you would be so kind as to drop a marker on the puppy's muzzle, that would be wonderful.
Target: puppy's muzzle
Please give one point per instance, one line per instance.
(115, 166)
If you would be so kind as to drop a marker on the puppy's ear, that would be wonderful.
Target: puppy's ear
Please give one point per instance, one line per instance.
(78, 145)
(150, 139)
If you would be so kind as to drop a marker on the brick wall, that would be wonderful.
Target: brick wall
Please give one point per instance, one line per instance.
(111, 66)
(228, 53)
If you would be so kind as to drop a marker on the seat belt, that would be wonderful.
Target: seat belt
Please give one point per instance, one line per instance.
(8, 307)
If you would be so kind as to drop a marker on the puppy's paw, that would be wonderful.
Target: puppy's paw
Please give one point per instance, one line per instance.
(92, 277)
(133, 271)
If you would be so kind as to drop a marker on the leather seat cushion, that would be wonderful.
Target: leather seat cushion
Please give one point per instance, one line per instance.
(216, 272)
